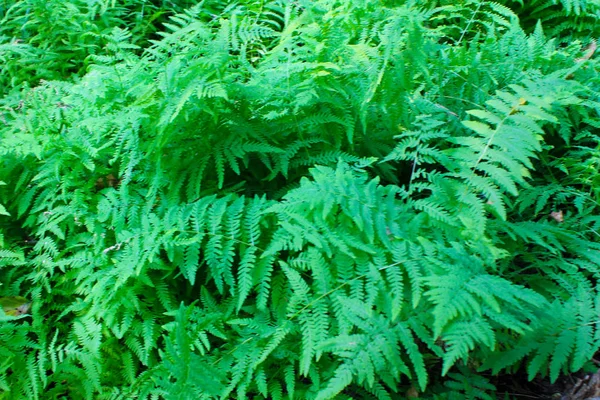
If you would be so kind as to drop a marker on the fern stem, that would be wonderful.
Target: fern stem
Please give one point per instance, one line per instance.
(346, 283)
(469, 83)
(464, 100)
(227, 237)
(470, 22)
(488, 144)
(412, 173)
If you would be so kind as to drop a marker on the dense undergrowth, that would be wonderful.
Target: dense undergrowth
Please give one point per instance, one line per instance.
(308, 199)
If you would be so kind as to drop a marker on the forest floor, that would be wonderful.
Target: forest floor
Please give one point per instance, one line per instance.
(577, 386)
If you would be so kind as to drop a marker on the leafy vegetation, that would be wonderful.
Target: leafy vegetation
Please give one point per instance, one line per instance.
(308, 199)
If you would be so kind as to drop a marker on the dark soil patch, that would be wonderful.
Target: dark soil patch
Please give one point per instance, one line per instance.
(577, 386)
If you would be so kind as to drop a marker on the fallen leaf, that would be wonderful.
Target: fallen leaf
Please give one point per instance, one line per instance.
(412, 393)
(557, 216)
(15, 306)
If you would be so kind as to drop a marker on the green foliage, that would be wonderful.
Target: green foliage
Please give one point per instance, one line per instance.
(564, 18)
(308, 199)
(44, 40)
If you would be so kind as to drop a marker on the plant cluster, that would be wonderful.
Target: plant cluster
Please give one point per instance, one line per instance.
(297, 199)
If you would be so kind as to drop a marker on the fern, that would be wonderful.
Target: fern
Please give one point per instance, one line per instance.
(309, 200)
